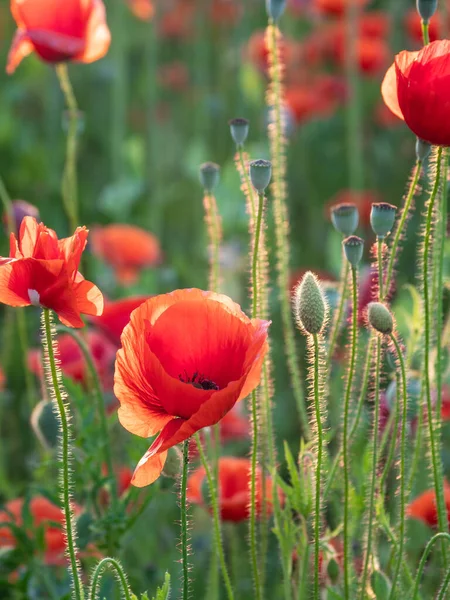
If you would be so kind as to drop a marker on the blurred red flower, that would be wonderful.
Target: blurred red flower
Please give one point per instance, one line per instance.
(72, 360)
(44, 514)
(317, 97)
(413, 25)
(423, 507)
(234, 425)
(258, 53)
(43, 271)
(142, 9)
(336, 8)
(419, 92)
(126, 248)
(174, 76)
(116, 314)
(225, 12)
(372, 54)
(123, 475)
(58, 31)
(234, 486)
(186, 359)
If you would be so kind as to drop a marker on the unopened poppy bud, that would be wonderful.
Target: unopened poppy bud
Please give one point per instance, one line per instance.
(275, 8)
(172, 466)
(426, 9)
(209, 175)
(310, 305)
(260, 174)
(239, 130)
(380, 317)
(381, 585)
(353, 249)
(382, 218)
(423, 149)
(345, 218)
(333, 570)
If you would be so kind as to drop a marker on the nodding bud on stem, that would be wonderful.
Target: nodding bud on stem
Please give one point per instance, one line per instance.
(310, 306)
(275, 8)
(382, 218)
(380, 318)
(353, 249)
(239, 130)
(260, 174)
(426, 9)
(209, 176)
(423, 149)
(345, 218)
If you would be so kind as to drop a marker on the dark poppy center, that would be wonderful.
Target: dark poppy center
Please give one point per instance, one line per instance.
(199, 381)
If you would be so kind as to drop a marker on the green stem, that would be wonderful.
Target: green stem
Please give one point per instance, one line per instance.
(113, 564)
(380, 267)
(69, 183)
(401, 225)
(435, 456)
(438, 536)
(216, 519)
(320, 442)
(66, 484)
(417, 447)
(373, 482)
(425, 33)
(184, 521)
(391, 537)
(246, 180)
(337, 321)
(445, 585)
(212, 219)
(402, 462)
(8, 207)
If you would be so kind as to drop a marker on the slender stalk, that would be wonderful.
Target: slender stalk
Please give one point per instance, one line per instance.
(337, 321)
(184, 520)
(402, 464)
(445, 585)
(373, 481)
(213, 224)
(438, 536)
(216, 519)
(54, 376)
(7, 207)
(425, 33)
(113, 564)
(436, 463)
(391, 537)
(243, 171)
(380, 266)
(69, 182)
(320, 443)
(417, 446)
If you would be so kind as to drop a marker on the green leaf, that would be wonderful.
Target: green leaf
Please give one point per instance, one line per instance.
(163, 592)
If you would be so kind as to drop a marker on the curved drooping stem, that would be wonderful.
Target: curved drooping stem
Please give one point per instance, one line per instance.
(113, 564)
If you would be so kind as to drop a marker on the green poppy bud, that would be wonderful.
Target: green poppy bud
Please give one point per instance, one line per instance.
(426, 9)
(345, 218)
(209, 176)
(239, 130)
(353, 249)
(275, 8)
(310, 306)
(260, 174)
(382, 218)
(380, 317)
(333, 570)
(381, 585)
(423, 149)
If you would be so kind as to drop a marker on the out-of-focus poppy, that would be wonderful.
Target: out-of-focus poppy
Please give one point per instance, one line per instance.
(423, 507)
(372, 54)
(74, 30)
(123, 475)
(420, 90)
(126, 248)
(142, 9)
(43, 271)
(177, 19)
(368, 292)
(363, 200)
(258, 53)
(234, 486)
(174, 76)
(43, 514)
(186, 359)
(116, 314)
(413, 25)
(234, 425)
(336, 8)
(445, 412)
(20, 210)
(225, 12)
(73, 364)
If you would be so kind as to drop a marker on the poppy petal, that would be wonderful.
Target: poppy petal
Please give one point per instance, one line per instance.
(98, 36)
(89, 298)
(389, 92)
(21, 47)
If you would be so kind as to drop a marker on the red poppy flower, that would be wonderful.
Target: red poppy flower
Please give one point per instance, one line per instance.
(234, 486)
(186, 359)
(116, 314)
(126, 248)
(59, 31)
(43, 514)
(234, 425)
(72, 360)
(336, 8)
(423, 507)
(42, 270)
(419, 91)
(372, 54)
(142, 9)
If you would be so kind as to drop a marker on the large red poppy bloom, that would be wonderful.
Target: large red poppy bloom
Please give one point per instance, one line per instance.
(424, 509)
(234, 486)
(116, 314)
(416, 89)
(186, 359)
(43, 271)
(59, 31)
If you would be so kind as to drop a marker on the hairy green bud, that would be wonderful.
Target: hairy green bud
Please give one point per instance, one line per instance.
(380, 317)
(310, 306)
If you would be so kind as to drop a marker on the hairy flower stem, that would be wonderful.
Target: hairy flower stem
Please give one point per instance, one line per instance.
(277, 142)
(436, 462)
(216, 518)
(54, 376)
(320, 444)
(380, 267)
(184, 520)
(69, 183)
(444, 537)
(337, 320)
(403, 499)
(345, 439)
(373, 480)
(120, 574)
(214, 229)
(393, 256)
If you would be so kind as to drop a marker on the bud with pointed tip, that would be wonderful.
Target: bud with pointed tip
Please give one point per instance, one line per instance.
(426, 9)
(209, 176)
(260, 174)
(275, 8)
(353, 249)
(239, 130)
(423, 149)
(382, 218)
(345, 218)
(380, 317)
(310, 306)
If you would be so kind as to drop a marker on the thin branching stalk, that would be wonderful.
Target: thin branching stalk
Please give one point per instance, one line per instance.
(216, 519)
(184, 520)
(69, 182)
(444, 537)
(120, 574)
(339, 313)
(53, 374)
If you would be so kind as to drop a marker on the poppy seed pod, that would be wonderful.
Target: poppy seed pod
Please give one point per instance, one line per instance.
(239, 130)
(260, 174)
(275, 8)
(382, 218)
(426, 9)
(310, 305)
(380, 318)
(345, 218)
(423, 149)
(209, 175)
(353, 249)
